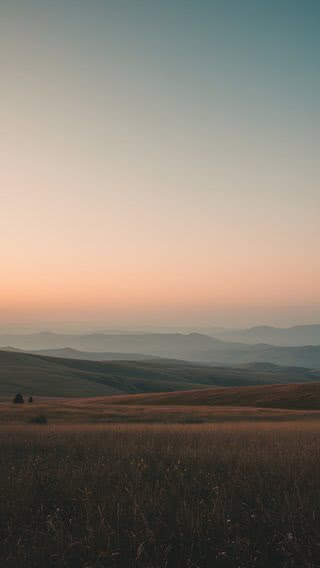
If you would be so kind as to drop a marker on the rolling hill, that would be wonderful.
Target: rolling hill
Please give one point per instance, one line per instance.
(50, 376)
(294, 397)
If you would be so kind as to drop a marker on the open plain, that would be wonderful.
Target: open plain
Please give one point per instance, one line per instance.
(242, 494)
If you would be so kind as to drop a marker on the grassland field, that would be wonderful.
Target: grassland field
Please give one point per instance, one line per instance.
(266, 402)
(195, 479)
(229, 495)
(99, 411)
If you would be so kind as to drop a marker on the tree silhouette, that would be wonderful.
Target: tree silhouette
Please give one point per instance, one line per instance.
(18, 399)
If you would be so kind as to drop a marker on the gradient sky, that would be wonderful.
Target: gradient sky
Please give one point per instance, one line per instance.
(160, 161)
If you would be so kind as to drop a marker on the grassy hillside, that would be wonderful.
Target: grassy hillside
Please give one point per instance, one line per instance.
(49, 376)
(294, 396)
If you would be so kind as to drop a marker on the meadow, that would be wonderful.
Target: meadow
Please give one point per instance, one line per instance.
(231, 495)
(158, 409)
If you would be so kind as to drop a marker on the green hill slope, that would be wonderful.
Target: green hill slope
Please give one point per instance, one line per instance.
(49, 376)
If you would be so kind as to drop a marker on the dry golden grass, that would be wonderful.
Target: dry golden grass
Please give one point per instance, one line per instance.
(160, 496)
(101, 410)
(270, 402)
(298, 396)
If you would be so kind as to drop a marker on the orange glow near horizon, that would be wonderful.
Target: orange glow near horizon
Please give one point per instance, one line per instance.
(154, 291)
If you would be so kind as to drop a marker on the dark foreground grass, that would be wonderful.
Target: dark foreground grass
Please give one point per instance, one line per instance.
(160, 496)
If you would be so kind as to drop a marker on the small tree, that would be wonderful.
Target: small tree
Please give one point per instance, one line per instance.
(18, 399)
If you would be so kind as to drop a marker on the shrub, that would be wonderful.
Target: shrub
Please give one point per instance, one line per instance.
(39, 419)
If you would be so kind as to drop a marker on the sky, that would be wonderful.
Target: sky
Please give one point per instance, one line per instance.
(159, 162)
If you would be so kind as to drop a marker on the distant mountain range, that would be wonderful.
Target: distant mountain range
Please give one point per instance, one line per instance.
(195, 347)
(175, 345)
(306, 356)
(70, 353)
(62, 377)
(291, 336)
